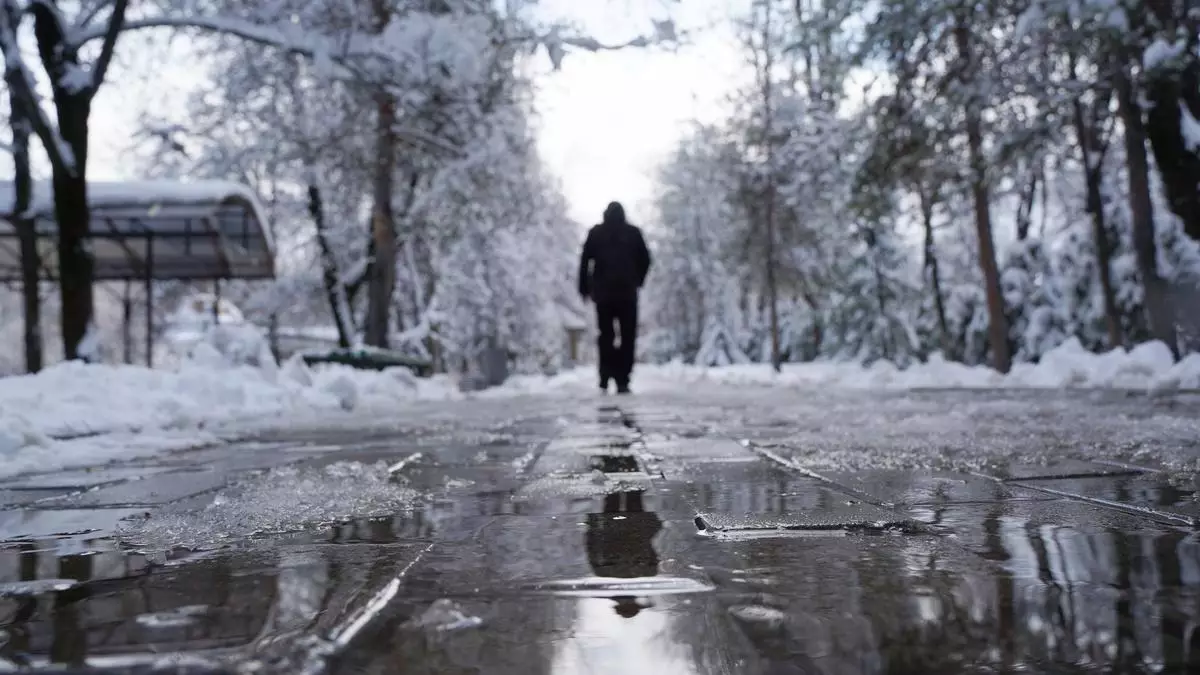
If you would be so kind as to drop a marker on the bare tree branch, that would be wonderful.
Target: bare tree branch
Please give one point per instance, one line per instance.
(21, 81)
(116, 21)
(266, 35)
(89, 13)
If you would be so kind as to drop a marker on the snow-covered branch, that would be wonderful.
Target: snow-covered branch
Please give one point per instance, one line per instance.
(116, 23)
(21, 81)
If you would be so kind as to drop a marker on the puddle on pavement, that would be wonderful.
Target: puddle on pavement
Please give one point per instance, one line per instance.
(93, 600)
(490, 578)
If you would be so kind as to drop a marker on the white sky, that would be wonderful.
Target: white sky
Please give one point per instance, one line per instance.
(606, 120)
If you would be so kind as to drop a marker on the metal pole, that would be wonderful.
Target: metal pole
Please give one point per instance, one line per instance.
(127, 322)
(149, 302)
(216, 310)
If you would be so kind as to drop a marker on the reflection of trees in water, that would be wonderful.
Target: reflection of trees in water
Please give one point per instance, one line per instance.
(1046, 595)
(312, 587)
(1097, 599)
(1093, 599)
(16, 613)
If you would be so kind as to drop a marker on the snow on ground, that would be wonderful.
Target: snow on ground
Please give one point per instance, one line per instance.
(1148, 367)
(46, 419)
(83, 415)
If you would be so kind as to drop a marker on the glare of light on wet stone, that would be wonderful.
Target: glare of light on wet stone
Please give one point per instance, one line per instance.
(35, 587)
(758, 614)
(180, 616)
(601, 636)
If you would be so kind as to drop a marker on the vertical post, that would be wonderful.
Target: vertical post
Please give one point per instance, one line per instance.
(216, 308)
(273, 334)
(149, 300)
(769, 132)
(127, 323)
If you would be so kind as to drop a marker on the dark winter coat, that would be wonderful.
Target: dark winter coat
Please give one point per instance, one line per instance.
(615, 259)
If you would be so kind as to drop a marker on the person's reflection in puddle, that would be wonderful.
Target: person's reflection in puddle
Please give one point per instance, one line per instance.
(620, 544)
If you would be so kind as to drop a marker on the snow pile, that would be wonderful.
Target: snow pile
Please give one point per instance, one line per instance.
(285, 499)
(230, 377)
(517, 385)
(240, 344)
(1148, 366)
(73, 399)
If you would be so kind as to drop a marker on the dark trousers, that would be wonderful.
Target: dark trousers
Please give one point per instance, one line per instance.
(616, 363)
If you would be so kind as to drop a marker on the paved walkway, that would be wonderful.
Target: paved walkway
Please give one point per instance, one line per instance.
(723, 532)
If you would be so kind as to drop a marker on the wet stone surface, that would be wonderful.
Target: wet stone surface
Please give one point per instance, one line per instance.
(648, 534)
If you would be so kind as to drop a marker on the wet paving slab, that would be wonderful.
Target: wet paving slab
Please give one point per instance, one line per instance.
(600, 539)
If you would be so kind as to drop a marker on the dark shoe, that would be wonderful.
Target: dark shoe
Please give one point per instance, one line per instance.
(623, 389)
(604, 386)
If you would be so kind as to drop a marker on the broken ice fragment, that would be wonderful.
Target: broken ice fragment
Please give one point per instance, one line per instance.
(445, 615)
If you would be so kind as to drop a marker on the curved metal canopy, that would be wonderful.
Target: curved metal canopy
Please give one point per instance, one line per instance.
(153, 229)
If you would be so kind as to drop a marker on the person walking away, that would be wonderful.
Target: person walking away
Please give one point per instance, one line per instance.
(612, 269)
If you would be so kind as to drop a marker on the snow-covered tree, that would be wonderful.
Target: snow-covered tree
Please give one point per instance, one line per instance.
(974, 127)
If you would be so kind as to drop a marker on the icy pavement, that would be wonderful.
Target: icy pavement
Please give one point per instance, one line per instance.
(721, 530)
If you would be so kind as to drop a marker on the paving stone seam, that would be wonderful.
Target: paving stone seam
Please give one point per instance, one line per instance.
(1147, 513)
(791, 465)
(1027, 484)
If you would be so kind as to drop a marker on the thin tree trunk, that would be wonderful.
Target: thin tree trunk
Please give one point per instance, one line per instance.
(1025, 207)
(880, 299)
(1093, 174)
(815, 308)
(1092, 148)
(772, 290)
(335, 292)
(933, 269)
(997, 321)
(31, 260)
(1157, 299)
(1112, 314)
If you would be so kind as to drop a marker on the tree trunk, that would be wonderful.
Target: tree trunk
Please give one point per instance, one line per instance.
(997, 321)
(335, 292)
(71, 212)
(768, 133)
(1157, 299)
(1112, 314)
(382, 273)
(1178, 164)
(880, 299)
(934, 273)
(1170, 89)
(31, 260)
(383, 265)
(1025, 207)
(1092, 148)
(1093, 174)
